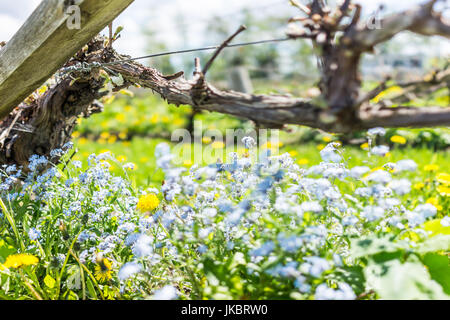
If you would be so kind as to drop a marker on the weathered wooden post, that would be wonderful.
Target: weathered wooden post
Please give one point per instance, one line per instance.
(239, 80)
(45, 42)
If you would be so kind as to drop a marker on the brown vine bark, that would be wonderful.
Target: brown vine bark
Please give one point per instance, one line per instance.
(40, 125)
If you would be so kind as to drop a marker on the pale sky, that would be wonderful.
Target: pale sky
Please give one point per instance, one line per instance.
(164, 15)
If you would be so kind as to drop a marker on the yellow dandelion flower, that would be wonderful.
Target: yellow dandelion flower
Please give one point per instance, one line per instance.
(144, 159)
(272, 145)
(435, 202)
(103, 270)
(104, 135)
(398, 139)
(155, 118)
(303, 161)
(419, 186)
(104, 124)
(178, 122)
(128, 108)
(21, 259)
(148, 202)
(327, 139)
(206, 140)
(320, 147)
(123, 135)
(82, 141)
(443, 178)
(444, 191)
(218, 145)
(112, 139)
(126, 143)
(121, 158)
(165, 119)
(364, 146)
(120, 117)
(187, 163)
(76, 134)
(293, 153)
(431, 167)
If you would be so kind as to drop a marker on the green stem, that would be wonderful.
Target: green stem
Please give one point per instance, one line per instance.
(35, 280)
(83, 285)
(30, 287)
(65, 263)
(12, 223)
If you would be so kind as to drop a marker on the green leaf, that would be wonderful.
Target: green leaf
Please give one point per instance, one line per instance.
(439, 268)
(393, 280)
(118, 81)
(49, 281)
(438, 243)
(436, 228)
(91, 288)
(5, 250)
(118, 30)
(353, 275)
(72, 296)
(371, 246)
(238, 259)
(74, 280)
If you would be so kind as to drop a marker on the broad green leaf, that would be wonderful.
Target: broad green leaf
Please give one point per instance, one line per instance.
(49, 281)
(393, 280)
(91, 289)
(354, 276)
(238, 259)
(436, 228)
(439, 269)
(74, 280)
(438, 243)
(371, 246)
(5, 250)
(212, 279)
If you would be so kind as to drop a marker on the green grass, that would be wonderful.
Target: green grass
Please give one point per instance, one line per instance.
(131, 126)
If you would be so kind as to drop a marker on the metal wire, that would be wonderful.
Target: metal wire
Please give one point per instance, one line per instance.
(195, 50)
(87, 67)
